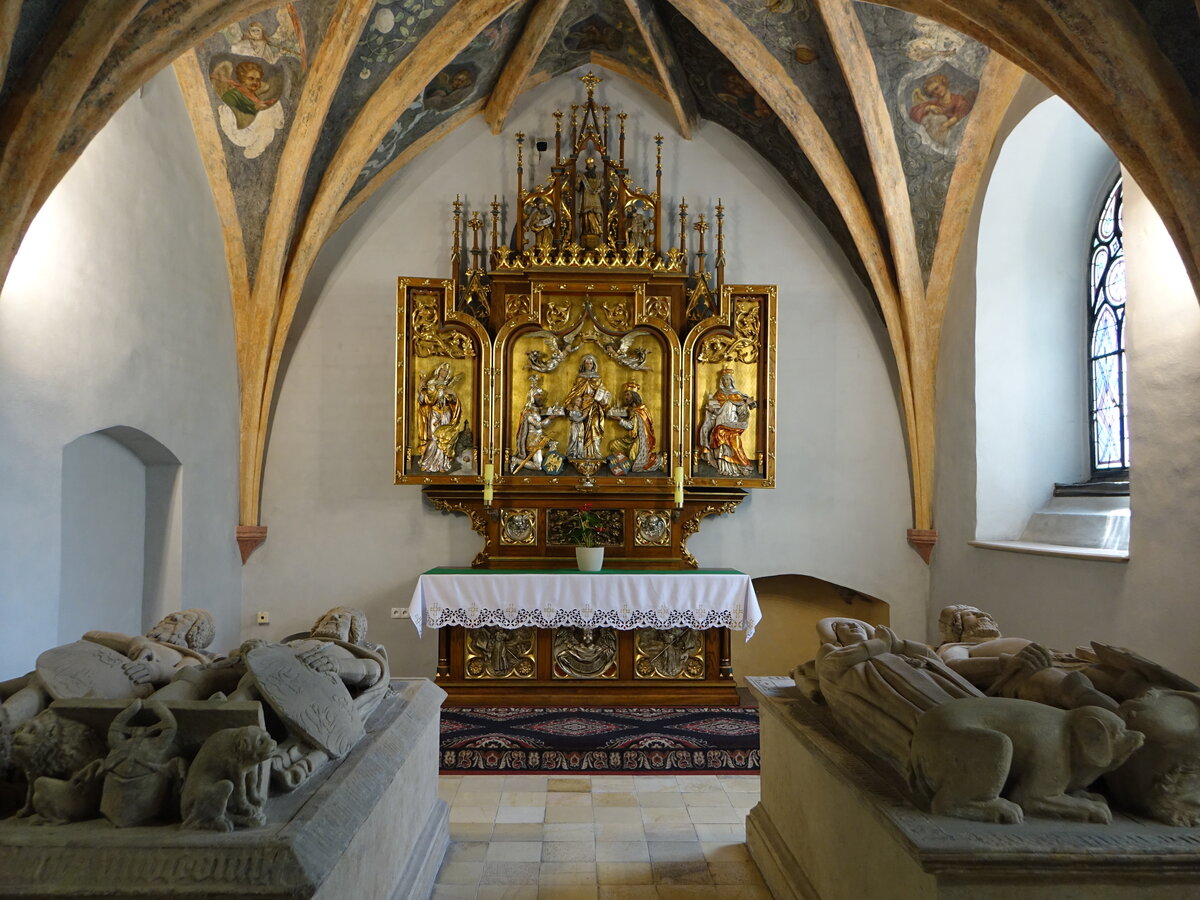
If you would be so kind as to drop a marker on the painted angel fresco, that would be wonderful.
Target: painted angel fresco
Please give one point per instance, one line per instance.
(251, 78)
(937, 109)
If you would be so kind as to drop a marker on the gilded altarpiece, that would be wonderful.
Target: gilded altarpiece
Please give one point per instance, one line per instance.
(587, 358)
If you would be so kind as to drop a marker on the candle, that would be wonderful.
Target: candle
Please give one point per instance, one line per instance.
(489, 475)
(679, 486)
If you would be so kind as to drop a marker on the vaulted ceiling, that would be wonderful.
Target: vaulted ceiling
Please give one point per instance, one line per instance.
(881, 119)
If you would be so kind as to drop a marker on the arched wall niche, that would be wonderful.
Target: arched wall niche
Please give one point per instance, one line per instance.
(791, 606)
(122, 534)
(1031, 283)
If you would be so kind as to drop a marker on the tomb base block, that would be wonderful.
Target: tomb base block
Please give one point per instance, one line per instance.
(832, 826)
(371, 826)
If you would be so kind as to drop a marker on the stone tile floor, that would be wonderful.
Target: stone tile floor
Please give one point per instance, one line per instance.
(550, 837)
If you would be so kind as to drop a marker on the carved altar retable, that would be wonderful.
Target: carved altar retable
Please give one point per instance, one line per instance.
(586, 359)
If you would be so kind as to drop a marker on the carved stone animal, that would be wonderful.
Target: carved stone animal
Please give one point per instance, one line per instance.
(141, 772)
(965, 753)
(1162, 779)
(57, 801)
(51, 745)
(222, 790)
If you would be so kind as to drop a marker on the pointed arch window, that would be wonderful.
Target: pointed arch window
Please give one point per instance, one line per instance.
(1107, 368)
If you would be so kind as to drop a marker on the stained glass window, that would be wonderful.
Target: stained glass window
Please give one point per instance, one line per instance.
(1107, 370)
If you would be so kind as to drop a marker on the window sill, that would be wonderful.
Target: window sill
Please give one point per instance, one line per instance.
(1060, 550)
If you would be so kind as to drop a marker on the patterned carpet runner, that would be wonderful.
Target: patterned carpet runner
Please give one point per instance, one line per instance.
(645, 739)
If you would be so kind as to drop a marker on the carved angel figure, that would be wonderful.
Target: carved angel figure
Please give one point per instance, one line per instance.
(622, 351)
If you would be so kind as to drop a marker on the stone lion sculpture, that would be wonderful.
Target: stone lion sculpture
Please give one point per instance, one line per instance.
(1162, 779)
(967, 752)
(224, 788)
(51, 746)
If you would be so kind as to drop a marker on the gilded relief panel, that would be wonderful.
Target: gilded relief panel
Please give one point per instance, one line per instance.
(732, 391)
(584, 653)
(518, 526)
(439, 386)
(587, 391)
(501, 653)
(652, 528)
(675, 653)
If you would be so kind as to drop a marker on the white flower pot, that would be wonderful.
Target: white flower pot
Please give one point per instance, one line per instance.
(589, 559)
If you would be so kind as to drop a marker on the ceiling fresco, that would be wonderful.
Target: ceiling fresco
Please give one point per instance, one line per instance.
(391, 31)
(879, 120)
(1176, 26)
(929, 75)
(725, 97)
(256, 69)
(471, 76)
(597, 29)
(794, 33)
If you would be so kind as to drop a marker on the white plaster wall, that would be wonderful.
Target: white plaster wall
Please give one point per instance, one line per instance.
(341, 532)
(1148, 603)
(117, 312)
(1036, 227)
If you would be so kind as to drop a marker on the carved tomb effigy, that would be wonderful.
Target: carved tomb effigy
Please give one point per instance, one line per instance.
(584, 360)
(990, 766)
(150, 768)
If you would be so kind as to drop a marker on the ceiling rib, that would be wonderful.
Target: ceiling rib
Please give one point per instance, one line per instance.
(524, 57)
(662, 51)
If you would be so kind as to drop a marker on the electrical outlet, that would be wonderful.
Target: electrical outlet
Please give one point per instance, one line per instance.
(399, 612)
(264, 618)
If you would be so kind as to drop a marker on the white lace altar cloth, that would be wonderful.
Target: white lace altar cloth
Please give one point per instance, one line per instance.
(474, 598)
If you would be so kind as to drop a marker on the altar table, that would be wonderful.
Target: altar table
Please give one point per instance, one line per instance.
(698, 598)
(641, 609)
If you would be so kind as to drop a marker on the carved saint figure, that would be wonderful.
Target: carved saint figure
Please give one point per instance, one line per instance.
(586, 404)
(726, 417)
(439, 420)
(591, 213)
(637, 230)
(937, 110)
(638, 443)
(541, 224)
(531, 439)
